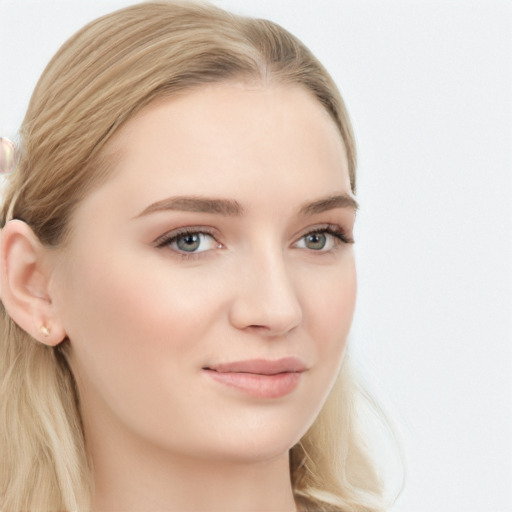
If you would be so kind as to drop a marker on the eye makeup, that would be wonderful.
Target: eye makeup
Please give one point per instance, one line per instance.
(194, 241)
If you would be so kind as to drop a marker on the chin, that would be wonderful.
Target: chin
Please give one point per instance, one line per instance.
(257, 443)
(253, 451)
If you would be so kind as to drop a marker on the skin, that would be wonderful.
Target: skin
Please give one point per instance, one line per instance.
(144, 321)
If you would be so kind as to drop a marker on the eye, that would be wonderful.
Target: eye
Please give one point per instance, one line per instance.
(320, 241)
(316, 241)
(323, 240)
(189, 242)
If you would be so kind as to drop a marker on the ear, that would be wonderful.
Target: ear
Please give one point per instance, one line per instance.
(25, 274)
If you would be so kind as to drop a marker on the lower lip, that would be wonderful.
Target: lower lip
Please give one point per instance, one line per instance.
(257, 385)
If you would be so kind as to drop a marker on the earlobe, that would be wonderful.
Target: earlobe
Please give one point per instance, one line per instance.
(25, 275)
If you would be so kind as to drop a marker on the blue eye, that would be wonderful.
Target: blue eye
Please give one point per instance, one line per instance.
(316, 241)
(189, 242)
(192, 242)
(323, 240)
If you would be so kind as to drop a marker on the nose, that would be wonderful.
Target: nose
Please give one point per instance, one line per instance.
(265, 298)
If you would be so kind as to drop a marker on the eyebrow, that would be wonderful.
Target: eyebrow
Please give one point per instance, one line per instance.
(225, 207)
(329, 203)
(231, 208)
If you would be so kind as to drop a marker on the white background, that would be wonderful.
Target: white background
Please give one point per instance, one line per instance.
(428, 85)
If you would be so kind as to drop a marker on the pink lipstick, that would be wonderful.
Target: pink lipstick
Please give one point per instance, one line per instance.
(259, 378)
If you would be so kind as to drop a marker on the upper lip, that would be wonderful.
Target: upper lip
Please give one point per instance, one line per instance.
(261, 366)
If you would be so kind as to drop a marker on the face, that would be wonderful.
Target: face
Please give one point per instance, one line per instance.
(208, 286)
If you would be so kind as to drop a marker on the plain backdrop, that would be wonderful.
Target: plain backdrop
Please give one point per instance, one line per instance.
(428, 85)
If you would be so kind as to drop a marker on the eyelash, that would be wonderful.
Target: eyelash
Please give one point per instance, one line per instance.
(336, 231)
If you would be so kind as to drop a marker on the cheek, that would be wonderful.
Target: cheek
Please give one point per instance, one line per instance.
(330, 303)
(129, 323)
(130, 295)
(328, 319)
(135, 333)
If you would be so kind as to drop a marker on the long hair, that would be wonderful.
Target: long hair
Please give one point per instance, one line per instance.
(99, 79)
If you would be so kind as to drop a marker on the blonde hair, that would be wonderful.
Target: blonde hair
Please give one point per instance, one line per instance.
(100, 78)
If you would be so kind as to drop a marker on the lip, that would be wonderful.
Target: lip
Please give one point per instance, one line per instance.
(260, 378)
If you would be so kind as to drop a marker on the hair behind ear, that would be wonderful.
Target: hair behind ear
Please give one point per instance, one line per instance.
(43, 462)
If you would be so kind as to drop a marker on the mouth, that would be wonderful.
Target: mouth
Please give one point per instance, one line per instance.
(259, 378)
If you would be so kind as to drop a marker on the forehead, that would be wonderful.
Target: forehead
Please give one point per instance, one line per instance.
(231, 139)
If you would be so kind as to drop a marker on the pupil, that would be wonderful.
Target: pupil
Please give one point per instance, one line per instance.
(188, 243)
(316, 241)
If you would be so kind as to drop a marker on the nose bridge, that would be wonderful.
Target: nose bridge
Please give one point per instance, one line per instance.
(266, 295)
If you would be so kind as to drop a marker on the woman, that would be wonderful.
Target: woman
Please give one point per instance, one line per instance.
(177, 275)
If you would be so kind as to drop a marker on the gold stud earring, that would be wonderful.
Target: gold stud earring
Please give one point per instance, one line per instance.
(44, 331)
